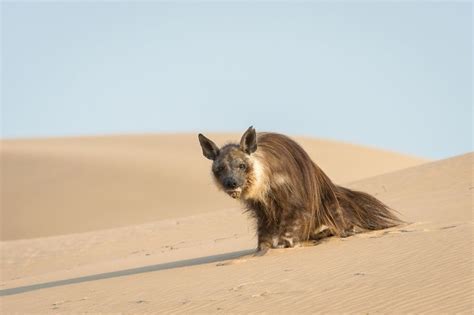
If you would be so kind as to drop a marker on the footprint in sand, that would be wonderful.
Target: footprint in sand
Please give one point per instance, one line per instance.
(245, 284)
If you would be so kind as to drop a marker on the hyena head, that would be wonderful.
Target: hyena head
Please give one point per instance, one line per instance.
(232, 166)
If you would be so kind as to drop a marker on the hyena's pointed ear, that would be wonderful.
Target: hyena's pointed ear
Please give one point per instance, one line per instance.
(248, 143)
(209, 148)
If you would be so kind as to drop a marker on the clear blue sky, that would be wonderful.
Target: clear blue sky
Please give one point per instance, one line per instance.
(392, 75)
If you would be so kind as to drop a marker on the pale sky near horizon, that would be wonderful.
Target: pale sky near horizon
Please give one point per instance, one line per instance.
(396, 75)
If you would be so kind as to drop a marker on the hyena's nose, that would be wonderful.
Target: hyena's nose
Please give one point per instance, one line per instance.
(230, 183)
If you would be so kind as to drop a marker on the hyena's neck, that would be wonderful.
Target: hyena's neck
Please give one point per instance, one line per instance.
(257, 179)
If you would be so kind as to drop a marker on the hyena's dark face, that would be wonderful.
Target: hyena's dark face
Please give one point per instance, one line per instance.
(231, 166)
(230, 170)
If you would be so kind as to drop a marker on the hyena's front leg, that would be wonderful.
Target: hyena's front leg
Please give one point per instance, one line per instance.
(274, 240)
(267, 239)
(290, 232)
(289, 240)
(265, 242)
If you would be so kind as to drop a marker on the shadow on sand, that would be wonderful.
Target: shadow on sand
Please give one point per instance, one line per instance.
(127, 272)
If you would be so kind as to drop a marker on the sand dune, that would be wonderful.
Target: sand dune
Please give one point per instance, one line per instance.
(170, 265)
(68, 185)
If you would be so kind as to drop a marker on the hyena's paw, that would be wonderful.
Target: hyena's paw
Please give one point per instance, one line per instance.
(288, 241)
(321, 234)
(263, 248)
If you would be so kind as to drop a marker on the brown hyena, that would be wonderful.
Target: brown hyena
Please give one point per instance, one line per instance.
(290, 197)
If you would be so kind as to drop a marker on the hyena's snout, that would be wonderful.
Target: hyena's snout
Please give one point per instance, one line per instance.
(233, 187)
(230, 183)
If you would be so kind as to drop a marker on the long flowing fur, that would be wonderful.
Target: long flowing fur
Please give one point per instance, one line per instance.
(294, 200)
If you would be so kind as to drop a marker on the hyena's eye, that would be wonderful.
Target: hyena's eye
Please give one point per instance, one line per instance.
(242, 166)
(219, 169)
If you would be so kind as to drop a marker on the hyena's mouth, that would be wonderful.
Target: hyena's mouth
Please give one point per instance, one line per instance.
(234, 193)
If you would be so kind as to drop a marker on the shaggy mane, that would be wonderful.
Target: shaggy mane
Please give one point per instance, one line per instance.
(306, 199)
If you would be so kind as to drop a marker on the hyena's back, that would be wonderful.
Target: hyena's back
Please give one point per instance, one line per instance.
(301, 200)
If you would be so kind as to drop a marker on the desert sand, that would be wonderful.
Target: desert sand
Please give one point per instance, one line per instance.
(133, 224)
